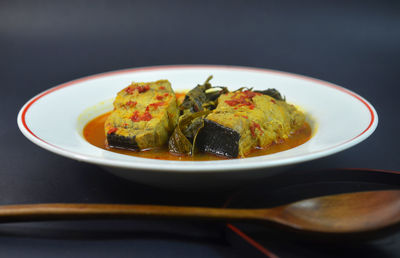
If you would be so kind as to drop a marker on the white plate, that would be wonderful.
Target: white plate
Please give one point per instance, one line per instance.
(54, 120)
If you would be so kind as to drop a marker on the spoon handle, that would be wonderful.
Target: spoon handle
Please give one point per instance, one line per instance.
(61, 211)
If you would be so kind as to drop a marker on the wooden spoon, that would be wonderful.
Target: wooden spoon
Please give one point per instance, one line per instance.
(343, 213)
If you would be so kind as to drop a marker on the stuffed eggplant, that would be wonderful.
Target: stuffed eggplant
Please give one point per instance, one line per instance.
(246, 120)
(144, 116)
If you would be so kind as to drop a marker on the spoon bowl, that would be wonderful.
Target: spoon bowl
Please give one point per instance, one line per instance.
(342, 213)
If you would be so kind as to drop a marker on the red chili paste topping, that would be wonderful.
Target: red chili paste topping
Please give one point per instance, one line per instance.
(131, 103)
(155, 105)
(245, 99)
(136, 117)
(112, 130)
(146, 116)
(253, 128)
(140, 89)
(160, 97)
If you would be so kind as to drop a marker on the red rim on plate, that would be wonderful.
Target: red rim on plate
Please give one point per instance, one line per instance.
(29, 104)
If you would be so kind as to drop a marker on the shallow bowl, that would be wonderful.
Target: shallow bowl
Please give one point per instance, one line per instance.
(54, 120)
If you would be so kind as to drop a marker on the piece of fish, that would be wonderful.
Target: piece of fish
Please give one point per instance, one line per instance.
(245, 120)
(144, 116)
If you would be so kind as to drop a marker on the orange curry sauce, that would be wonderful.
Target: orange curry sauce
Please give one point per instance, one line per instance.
(94, 134)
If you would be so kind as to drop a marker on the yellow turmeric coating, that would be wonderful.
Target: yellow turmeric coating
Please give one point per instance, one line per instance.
(259, 119)
(146, 111)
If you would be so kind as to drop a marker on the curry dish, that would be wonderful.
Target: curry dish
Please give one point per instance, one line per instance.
(207, 123)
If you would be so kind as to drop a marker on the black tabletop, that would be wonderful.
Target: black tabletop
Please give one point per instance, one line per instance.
(354, 44)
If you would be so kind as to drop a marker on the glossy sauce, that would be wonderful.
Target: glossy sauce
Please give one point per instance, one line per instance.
(94, 134)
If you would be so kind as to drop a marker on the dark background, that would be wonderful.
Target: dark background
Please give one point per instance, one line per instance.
(354, 44)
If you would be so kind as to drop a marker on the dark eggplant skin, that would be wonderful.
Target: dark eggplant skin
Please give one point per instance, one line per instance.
(122, 142)
(219, 140)
(272, 93)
